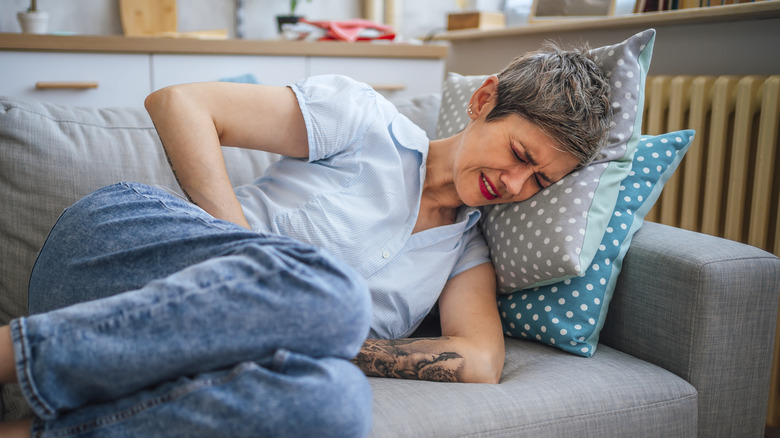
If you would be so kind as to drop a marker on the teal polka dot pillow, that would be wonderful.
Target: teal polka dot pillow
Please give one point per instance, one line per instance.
(569, 314)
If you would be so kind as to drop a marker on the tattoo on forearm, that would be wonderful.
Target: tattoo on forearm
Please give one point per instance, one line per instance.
(409, 359)
(175, 175)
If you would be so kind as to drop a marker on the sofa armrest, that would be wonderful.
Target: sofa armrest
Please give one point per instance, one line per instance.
(704, 308)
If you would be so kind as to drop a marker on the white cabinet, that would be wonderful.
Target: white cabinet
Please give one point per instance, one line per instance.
(170, 69)
(109, 71)
(394, 77)
(80, 79)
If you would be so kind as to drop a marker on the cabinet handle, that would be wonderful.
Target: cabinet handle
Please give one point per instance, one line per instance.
(77, 85)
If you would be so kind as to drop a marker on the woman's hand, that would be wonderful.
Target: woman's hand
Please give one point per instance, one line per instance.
(195, 120)
(471, 348)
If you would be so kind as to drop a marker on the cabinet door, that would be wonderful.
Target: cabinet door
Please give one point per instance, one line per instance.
(80, 79)
(393, 77)
(267, 70)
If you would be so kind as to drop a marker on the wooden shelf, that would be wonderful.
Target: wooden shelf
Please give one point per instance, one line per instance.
(122, 44)
(713, 14)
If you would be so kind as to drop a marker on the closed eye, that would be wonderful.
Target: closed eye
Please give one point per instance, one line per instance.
(517, 155)
(524, 161)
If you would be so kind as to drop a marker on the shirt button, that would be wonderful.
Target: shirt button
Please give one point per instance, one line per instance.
(385, 254)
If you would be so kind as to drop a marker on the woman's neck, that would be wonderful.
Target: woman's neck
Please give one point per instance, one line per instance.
(440, 201)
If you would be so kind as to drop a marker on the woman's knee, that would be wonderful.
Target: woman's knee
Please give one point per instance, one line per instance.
(339, 403)
(346, 302)
(330, 298)
(350, 410)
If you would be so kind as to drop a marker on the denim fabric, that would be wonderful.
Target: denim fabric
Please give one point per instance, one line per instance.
(188, 326)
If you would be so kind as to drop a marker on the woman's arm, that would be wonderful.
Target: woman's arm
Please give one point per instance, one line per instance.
(194, 120)
(471, 348)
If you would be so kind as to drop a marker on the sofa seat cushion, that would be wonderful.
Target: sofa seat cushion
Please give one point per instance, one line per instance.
(544, 392)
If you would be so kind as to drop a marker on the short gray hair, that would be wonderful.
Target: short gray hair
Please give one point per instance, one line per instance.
(563, 92)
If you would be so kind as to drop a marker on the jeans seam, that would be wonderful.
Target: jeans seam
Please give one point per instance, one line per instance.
(173, 394)
(167, 299)
(26, 382)
(169, 208)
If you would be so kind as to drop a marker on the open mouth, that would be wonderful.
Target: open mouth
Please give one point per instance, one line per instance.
(488, 191)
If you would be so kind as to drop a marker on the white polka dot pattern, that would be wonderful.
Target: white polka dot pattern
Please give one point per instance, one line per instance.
(569, 314)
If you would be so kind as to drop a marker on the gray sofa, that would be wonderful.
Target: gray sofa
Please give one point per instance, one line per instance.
(686, 349)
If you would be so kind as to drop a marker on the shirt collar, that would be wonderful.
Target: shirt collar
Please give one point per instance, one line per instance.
(470, 214)
(409, 135)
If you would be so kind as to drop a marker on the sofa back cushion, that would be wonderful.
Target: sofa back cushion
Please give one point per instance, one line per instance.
(52, 155)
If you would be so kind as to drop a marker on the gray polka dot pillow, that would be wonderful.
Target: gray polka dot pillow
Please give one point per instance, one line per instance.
(555, 234)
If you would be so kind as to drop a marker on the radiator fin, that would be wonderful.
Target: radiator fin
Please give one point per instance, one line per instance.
(726, 184)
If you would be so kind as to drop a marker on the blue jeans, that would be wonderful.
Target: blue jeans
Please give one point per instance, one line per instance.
(151, 318)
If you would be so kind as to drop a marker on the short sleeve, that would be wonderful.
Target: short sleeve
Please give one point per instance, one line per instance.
(475, 253)
(336, 110)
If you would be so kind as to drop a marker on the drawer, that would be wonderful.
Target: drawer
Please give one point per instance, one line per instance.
(80, 79)
(393, 77)
(267, 70)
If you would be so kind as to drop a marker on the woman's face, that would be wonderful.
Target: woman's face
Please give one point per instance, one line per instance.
(507, 160)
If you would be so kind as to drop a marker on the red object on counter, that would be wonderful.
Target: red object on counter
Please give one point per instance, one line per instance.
(353, 30)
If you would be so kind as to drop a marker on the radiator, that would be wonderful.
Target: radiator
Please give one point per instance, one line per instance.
(728, 184)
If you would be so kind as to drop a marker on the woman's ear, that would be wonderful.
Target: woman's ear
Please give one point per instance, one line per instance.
(484, 98)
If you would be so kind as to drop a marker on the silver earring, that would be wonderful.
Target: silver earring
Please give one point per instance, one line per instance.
(471, 113)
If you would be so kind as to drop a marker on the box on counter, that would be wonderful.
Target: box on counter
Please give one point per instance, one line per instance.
(476, 20)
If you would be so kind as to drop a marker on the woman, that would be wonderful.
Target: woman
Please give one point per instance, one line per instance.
(244, 311)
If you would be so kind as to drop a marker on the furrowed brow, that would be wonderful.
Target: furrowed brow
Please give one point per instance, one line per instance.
(534, 163)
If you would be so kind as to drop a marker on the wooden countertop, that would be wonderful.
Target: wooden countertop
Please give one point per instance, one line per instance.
(714, 14)
(122, 44)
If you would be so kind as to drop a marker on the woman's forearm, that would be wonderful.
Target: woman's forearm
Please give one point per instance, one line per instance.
(192, 146)
(437, 359)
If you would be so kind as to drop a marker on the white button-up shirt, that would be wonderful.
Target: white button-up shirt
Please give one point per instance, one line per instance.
(358, 196)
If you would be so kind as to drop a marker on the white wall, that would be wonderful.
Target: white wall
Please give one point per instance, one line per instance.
(417, 18)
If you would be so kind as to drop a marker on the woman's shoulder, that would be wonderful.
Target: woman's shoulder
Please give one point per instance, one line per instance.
(341, 90)
(339, 112)
(334, 86)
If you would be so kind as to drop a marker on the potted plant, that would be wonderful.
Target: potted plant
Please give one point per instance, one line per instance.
(33, 20)
(291, 18)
